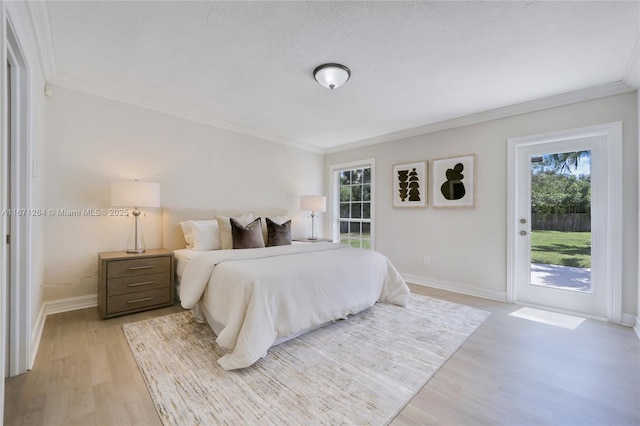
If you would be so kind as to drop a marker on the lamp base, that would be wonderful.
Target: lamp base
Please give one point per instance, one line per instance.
(136, 244)
(313, 229)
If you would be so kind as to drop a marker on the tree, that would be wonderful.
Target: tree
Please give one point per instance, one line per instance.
(564, 162)
(560, 193)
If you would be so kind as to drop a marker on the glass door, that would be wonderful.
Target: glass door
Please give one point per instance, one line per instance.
(562, 229)
(560, 242)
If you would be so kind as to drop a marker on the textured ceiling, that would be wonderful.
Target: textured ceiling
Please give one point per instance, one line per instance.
(247, 66)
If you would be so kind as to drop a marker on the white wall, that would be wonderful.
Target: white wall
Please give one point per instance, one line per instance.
(467, 247)
(92, 141)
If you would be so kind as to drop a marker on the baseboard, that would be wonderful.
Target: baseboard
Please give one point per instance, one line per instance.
(36, 335)
(628, 320)
(500, 296)
(57, 307)
(70, 304)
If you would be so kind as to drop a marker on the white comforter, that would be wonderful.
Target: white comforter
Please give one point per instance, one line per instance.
(267, 293)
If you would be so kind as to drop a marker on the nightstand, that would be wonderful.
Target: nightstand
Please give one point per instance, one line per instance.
(133, 282)
(317, 240)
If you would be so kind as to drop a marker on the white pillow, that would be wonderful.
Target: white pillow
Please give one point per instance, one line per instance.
(201, 235)
(206, 235)
(186, 232)
(224, 226)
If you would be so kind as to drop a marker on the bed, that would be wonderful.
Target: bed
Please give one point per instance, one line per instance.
(255, 298)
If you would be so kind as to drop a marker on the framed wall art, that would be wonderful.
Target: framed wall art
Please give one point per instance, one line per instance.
(410, 184)
(453, 181)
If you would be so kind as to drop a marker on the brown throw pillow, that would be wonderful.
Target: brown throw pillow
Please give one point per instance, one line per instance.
(249, 236)
(278, 235)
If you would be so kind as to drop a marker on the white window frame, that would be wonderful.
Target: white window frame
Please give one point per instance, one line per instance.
(334, 198)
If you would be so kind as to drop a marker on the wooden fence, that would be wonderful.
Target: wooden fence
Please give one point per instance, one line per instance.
(567, 222)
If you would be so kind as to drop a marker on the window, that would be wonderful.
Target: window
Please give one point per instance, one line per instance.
(353, 196)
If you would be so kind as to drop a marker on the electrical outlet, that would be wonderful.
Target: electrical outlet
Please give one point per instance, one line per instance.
(427, 261)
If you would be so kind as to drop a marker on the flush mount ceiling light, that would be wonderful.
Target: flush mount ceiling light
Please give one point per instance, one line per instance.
(331, 75)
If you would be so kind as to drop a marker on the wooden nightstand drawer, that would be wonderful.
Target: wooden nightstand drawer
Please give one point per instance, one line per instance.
(137, 283)
(133, 267)
(133, 282)
(140, 299)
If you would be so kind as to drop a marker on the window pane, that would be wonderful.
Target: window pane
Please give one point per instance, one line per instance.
(356, 193)
(356, 210)
(357, 176)
(366, 210)
(344, 227)
(366, 230)
(345, 210)
(366, 192)
(561, 219)
(366, 176)
(354, 229)
(345, 177)
(345, 193)
(355, 243)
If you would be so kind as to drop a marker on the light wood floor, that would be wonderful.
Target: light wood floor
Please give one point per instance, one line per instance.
(511, 371)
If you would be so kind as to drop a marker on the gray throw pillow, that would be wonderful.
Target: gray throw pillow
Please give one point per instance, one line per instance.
(278, 235)
(249, 236)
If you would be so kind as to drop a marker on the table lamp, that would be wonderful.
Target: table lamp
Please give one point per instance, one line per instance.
(135, 194)
(313, 203)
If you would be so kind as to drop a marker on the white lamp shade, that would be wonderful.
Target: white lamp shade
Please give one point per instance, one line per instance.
(313, 203)
(133, 193)
(331, 76)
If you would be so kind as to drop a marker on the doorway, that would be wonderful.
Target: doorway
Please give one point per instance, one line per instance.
(7, 269)
(564, 221)
(16, 181)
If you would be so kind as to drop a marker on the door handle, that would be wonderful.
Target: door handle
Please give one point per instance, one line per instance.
(523, 233)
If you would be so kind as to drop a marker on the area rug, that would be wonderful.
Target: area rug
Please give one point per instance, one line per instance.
(362, 370)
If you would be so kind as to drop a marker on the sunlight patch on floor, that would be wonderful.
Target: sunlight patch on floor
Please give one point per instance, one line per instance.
(546, 317)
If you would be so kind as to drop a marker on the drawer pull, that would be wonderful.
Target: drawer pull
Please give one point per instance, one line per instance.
(133, 268)
(140, 300)
(137, 284)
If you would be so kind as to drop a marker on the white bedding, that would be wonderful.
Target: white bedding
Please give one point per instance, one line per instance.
(183, 257)
(261, 295)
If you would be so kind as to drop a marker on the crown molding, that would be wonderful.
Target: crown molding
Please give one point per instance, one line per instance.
(610, 89)
(597, 92)
(632, 72)
(41, 26)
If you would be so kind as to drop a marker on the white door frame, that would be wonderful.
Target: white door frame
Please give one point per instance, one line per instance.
(20, 330)
(613, 134)
(3, 254)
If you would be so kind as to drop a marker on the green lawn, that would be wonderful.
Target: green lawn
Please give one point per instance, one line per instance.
(561, 248)
(366, 241)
